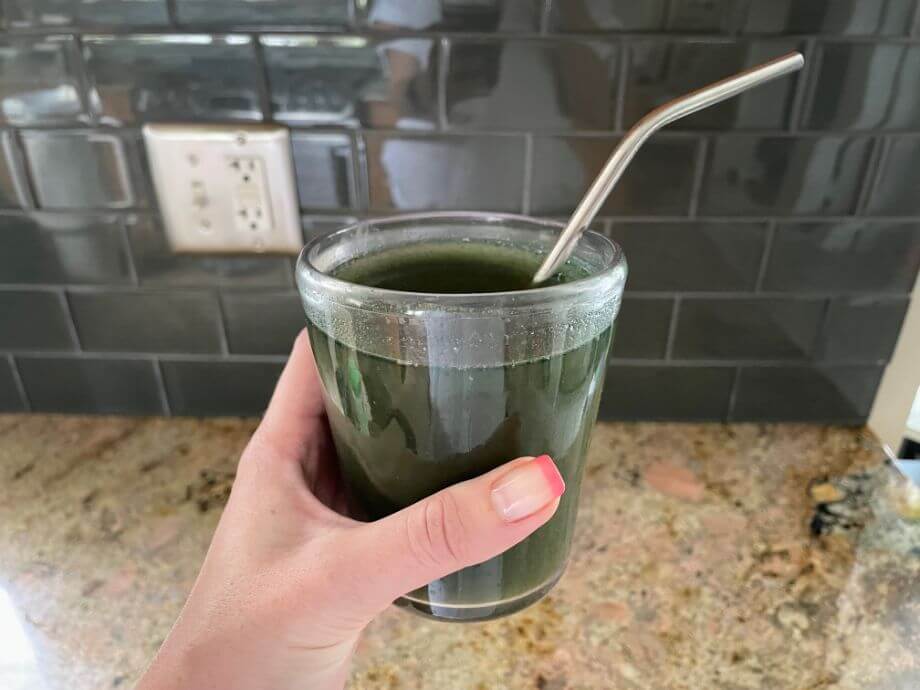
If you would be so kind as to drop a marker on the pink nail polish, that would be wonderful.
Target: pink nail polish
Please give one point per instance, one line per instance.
(527, 488)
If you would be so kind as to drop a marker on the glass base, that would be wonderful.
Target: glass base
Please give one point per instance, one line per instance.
(476, 613)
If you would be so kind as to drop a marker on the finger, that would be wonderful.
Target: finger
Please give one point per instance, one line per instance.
(465, 524)
(296, 406)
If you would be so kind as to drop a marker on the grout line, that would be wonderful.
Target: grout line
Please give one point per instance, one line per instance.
(699, 172)
(222, 334)
(624, 53)
(672, 328)
(263, 86)
(805, 86)
(528, 174)
(441, 85)
(71, 323)
(19, 384)
(873, 174)
(733, 394)
(161, 385)
(769, 237)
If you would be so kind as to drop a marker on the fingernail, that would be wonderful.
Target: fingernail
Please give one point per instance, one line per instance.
(527, 488)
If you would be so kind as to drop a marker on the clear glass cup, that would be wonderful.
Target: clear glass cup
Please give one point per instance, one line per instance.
(424, 390)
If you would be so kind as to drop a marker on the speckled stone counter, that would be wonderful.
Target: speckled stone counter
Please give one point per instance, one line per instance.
(706, 556)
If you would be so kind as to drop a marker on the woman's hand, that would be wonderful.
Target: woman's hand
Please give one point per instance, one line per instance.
(289, 581)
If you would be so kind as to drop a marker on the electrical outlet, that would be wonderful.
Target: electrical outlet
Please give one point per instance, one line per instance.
(225, 188)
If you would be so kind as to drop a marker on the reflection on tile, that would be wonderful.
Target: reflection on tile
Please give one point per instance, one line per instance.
(59, 248)
(173, 77)
(484, 173)
(649, 15)
(14, 189)
(667, 392)
(157, 264)
(262, 323)
(841, 395)
(351, 80)
(33, 321)
(848, 256)
(862, 328)
(325, 170)
(147, 322)
(91, 385)
(317, 226)
(83, 169)
(749, 175)
(688, 256)
(531, 84)
(115, 13)
(661, 71)
(220, 388)
(642, 328)
(39, 80)
(281, 13)
(895, 192)
(852, 17)
(456, 15)
(659, 181)
(755, 328)
(10, 398)
(865, 86)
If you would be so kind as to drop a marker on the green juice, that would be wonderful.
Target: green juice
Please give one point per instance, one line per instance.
(403, 432)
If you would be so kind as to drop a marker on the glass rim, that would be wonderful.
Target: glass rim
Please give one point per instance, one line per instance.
(336, 286)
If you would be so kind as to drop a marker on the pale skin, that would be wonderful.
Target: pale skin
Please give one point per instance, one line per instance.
(290, 582)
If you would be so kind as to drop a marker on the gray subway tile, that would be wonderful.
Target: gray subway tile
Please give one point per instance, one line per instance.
(747, 328)
(14, 187)
(660, 71)
(849, 255)
(84, 169)
(828, 394)
(507, 16)
(96, 13)
(690, 256)
(48, 248)
(667, 392)
(865, 86)
(659, 181)
(352, 80)
(34, 321)
(754, 175)
(173, 77)
(318, 226)
(91, 385)
(157, 264)
(514, 84)
(445, 172)
(895, 191)
(40, 80)
(120, 321)
(219, 388)
(324, 163)
(263, 324)
(846, 17)
(10, 397)
(280, 13)
(862, 328)
(642, 328)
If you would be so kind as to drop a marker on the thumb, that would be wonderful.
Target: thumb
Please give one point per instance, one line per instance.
(463, 525)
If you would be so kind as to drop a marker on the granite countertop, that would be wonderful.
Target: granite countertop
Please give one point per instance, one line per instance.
(706, 556)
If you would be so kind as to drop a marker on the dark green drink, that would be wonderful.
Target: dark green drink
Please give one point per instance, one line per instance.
(406, 426)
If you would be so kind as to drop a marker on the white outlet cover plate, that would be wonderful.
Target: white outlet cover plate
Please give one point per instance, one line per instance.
(199, 191)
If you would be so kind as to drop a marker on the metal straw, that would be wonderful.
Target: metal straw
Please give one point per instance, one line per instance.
(642, 130)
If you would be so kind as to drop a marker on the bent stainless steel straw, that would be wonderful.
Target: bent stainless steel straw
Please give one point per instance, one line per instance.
(642, 130)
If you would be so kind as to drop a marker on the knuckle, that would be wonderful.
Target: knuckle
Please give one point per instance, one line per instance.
(436, 533)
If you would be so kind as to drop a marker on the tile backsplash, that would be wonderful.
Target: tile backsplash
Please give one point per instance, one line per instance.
(773, 240)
